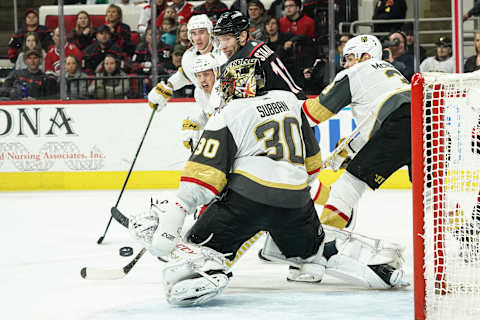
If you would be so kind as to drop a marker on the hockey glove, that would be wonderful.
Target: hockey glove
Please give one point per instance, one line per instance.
(159, 96)
(190, 133)
(341, 158)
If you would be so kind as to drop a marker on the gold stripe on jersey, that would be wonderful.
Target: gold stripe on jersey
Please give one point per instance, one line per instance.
(380, 109)
(316, 111)
(313, 163)
(271, 184)
(204, 175)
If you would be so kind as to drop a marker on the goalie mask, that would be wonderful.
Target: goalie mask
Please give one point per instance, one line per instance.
(360, 45)
(242, 78)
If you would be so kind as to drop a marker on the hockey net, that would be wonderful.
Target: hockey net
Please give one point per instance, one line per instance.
(446, 171)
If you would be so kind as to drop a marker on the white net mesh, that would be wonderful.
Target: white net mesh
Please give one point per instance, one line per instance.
(451, 136)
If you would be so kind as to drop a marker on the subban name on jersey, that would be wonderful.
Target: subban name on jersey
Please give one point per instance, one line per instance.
(272, 108)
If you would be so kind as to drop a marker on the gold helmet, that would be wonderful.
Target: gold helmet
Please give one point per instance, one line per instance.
(242, 78)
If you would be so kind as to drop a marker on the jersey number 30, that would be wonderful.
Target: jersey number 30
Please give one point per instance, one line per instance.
(277, 135)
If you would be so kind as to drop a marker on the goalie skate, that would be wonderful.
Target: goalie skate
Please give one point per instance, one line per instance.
(197, 290)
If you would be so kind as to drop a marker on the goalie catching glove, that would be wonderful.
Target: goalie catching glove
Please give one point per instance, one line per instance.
(159, 96)
(159, 229)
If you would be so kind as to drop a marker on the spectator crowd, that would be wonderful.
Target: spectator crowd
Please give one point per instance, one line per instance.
(110, 61)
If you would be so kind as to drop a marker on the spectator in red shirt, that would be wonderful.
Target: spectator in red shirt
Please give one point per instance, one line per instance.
(52, 59)
(295, 21)
(146, 13)
(31, 25)
(184, 10)
(212, 8)
(120, 31)
(84, 34)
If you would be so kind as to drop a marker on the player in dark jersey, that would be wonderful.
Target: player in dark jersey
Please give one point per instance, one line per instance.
(231, 33)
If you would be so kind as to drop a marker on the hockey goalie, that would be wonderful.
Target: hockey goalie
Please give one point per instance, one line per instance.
(253, 164)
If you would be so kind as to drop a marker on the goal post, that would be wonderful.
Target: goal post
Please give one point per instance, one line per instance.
(445, 185)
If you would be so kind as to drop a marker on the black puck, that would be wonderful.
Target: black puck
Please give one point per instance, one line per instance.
(126, 251)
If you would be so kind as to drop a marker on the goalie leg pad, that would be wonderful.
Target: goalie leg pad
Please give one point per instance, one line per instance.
(195, 275)
(311, 269)
(366, 261)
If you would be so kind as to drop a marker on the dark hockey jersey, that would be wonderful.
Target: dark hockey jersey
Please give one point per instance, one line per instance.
(277, 76)
(263, 147)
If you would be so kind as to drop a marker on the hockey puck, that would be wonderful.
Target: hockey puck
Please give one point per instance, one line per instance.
(126, 251)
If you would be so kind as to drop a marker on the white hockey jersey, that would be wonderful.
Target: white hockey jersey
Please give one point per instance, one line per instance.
(371, 86)
(263, 147)
(431, 64)
(185, 75)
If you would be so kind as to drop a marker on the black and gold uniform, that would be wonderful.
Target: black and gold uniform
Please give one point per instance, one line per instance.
(259, 153)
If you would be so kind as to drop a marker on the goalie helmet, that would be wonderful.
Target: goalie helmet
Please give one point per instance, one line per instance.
(231, 22)
(206, 62)
(362, 44)
(242, 78)
(200, 21)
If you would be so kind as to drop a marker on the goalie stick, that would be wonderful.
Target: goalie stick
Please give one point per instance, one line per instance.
(328, 162)
(110, 274)
(90, 273)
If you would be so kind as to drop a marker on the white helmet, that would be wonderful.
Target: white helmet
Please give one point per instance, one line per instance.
(200, 21)
(361, 44)
(206, 62)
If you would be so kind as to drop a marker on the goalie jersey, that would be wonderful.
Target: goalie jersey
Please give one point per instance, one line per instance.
(277, 76)
(371, 86)
(262, 147)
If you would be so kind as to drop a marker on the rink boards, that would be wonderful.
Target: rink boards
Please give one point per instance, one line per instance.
(91, 145)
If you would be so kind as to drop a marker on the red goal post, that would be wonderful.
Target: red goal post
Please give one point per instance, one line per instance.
(445, 180)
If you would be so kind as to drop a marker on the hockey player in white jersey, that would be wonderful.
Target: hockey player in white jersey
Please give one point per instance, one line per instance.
(375, 91)
(257, 154)
(200, 34)
(206, 70)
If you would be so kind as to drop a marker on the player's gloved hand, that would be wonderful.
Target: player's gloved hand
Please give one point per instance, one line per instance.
(341, 157)
(159, 96)
(190, 133)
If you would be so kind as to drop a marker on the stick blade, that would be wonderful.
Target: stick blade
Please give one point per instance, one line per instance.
(101, 274)
(120, 217)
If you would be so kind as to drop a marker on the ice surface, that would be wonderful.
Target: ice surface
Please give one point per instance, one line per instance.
(47, 237)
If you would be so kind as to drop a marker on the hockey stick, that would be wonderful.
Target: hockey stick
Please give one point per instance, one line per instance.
(100, 240)
(328, 162)
(89, 273)
(110, 274)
